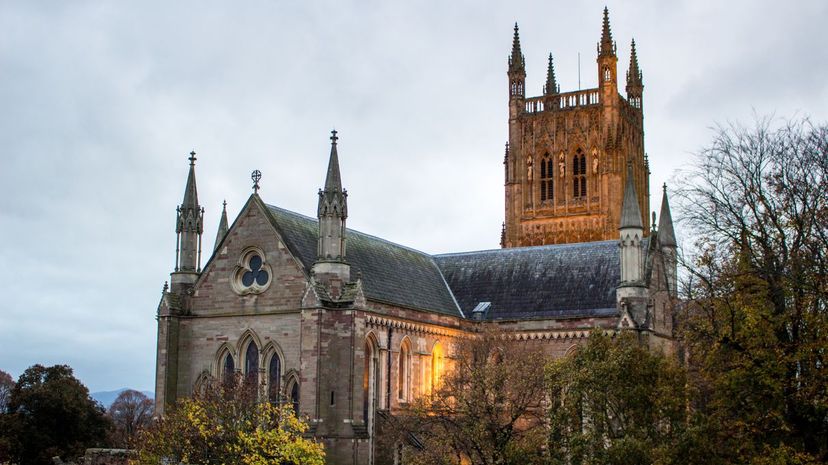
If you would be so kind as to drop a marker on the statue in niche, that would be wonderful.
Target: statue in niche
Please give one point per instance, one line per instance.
(529, 168)
(594, 161)
(562, 164)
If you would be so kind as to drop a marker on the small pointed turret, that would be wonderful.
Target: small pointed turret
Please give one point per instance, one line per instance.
(517, 74)
(331, 270)
(332, 210)
(630, 211)
(631, 233)
(666, 234)
(607, 46)
(635, 80)
(667, 240)
(551, 86)
(634, 76)
(516, 62)
(189, 227)
(222, 229)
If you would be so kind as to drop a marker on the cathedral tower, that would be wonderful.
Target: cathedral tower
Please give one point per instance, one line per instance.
(565, 164)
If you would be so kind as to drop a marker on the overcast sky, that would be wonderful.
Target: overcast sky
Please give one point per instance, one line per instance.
(100, 103)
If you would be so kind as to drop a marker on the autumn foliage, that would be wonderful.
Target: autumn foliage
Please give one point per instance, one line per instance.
(226, 424)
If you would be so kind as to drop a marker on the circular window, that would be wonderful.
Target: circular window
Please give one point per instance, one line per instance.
(252, 274)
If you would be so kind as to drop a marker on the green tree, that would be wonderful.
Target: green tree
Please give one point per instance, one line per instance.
(614, 401)
(224, 423)
(755, 325)
(50, 414)
(487, 410)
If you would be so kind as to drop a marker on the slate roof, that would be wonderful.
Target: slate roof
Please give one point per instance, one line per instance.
(552, 281)
(391, 273)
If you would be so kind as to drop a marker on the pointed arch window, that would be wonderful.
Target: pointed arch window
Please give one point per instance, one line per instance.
(546, 176)
(579, 169)
(436, 366)
(228, 370)
(294, 395)
(403, 371)
(251, 363)
(274, 377)
(370, 380)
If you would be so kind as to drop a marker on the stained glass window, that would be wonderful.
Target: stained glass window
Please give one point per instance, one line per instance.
(294, 396)
(251, 362)
(274, 374)
(229, 369)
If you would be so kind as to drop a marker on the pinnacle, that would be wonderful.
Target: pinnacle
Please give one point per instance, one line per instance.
(516, 58)
(333, 181)
(551, 86)
(630, 211)
(190, 191)
(634, 73)
(607, 46)
(666, 234)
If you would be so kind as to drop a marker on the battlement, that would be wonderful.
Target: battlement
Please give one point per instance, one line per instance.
(563, 101)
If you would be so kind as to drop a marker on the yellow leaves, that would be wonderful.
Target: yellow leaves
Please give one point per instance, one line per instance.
(230, 428)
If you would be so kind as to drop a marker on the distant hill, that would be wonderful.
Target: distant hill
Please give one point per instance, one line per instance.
(107, 397)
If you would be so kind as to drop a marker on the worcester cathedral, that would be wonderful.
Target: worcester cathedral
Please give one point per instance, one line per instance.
(350, 327)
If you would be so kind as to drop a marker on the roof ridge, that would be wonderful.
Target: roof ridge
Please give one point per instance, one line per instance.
(528, 247)
(355, 231)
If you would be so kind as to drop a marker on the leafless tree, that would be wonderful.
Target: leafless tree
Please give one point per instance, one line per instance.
(487, 410)
(131, 412)
(756, 204)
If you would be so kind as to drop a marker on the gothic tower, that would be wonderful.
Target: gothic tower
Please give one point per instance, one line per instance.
(565, 163)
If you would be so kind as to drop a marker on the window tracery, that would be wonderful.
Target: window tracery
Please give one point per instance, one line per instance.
(579, 169)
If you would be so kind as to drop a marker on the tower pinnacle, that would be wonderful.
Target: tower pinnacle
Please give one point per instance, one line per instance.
(607, 46)
(551, 86)
(516, 59)
(634, 77)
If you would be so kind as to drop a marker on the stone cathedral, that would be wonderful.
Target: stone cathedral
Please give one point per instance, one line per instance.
(349, 327)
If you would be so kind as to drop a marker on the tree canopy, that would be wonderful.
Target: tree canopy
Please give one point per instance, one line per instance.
(487, 408)
(616, 402)
(225, 423)
(131, 412)
(755, 325)
(50, 413)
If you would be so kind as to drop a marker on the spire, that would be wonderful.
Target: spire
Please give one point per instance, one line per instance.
(189, 227)
(630, 212)
(516, 59)
(332, 211)
(551, 86)
(333, 182)
(666, 234)
(607, 46)
(634, 77)
(332, 199)
(222, 229)
(190, 191)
